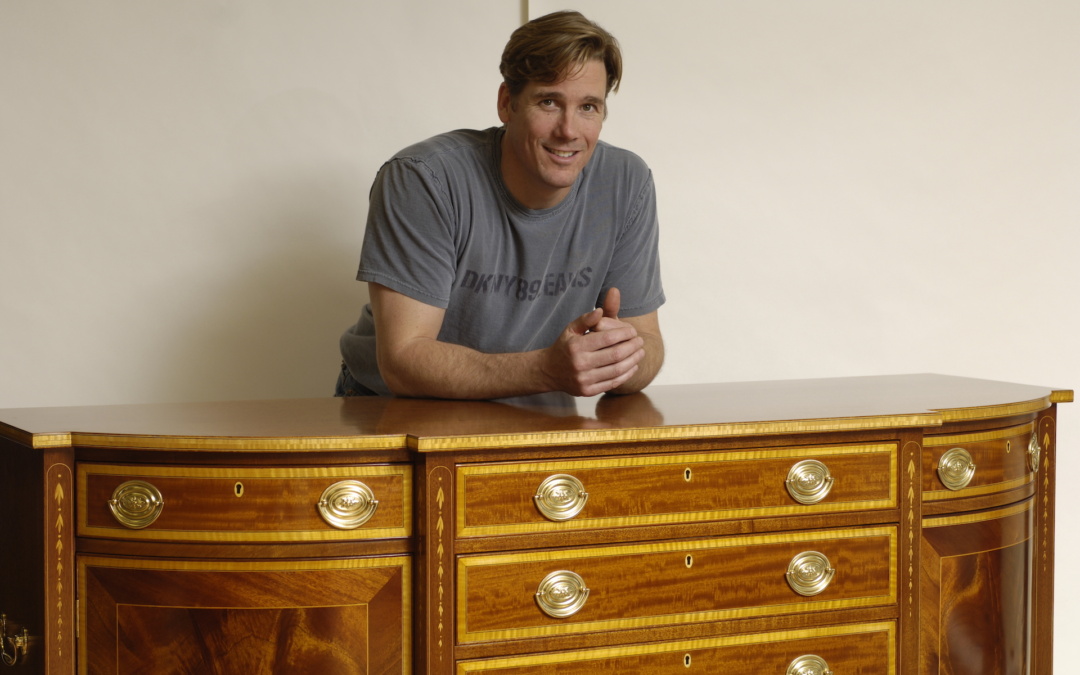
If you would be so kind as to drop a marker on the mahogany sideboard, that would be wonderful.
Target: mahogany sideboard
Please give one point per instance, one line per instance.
(858, 526)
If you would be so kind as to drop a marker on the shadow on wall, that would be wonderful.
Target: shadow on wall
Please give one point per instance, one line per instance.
(276, 282)
(267, 321)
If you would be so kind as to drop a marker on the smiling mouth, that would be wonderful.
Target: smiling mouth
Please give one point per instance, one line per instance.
(565, 154)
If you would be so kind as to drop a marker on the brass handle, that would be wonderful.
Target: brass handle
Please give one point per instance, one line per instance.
(20, 644)
(136, 504)
(561, 594)
(956, 468)
(347, 504)
(810, 573)
(809, 481)
(809, 664)
(560, 497)
(1034, 453)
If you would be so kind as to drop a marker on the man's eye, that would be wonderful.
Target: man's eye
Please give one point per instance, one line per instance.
(547, 103)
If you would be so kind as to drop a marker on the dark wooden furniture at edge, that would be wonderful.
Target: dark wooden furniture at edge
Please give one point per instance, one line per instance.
(877, 525)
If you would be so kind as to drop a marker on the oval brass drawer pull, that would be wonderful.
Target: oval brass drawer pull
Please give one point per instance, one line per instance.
(560, 497)
(809, 481)
(809, 664)
(956, 468)
(809, 573)
(136, 504)
(1034, 453)
(561, 594)
(347, 504)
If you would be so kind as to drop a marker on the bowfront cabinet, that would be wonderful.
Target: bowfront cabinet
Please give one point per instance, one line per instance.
(890, 525)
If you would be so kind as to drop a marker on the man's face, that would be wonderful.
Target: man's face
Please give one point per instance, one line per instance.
(551, 132)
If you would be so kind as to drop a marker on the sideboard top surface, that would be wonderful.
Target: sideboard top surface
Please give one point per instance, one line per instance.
(663, 412)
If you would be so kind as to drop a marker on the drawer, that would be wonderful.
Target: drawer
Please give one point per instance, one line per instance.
(861, 649)
(968, 465)
(227, 504)
(515, 498)
(558, 592)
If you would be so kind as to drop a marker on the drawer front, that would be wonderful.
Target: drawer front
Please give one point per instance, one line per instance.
(969, 465)
(865, 649)
(244, 504)
(496, 499)
(541, 593)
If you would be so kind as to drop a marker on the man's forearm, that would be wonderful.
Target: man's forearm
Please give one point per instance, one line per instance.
(427, 368)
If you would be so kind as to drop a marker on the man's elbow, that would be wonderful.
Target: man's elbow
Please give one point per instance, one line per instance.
(398, 377)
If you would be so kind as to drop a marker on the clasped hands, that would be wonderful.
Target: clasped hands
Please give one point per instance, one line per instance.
(596, 353)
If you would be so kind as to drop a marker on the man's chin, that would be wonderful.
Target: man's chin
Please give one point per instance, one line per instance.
(562, 178)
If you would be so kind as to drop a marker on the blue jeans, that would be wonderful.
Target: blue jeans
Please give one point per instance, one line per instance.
(347, 386)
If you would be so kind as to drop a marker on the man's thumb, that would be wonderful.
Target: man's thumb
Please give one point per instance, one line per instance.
(611, 303)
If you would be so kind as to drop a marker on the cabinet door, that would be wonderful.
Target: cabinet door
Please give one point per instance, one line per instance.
(977, 592)
(179, 617)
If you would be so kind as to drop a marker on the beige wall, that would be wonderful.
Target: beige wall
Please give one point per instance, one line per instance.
(846, 187)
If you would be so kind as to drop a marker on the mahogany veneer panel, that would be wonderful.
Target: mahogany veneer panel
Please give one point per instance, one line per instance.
(147, 616)
(977, 593)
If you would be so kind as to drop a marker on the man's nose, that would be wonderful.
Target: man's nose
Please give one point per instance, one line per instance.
(567, 126)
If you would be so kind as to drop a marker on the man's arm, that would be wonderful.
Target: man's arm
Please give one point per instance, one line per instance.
(594, 354)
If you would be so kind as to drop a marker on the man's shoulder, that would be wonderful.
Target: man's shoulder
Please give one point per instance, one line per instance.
(610, 157)
(613, 167)
(457, 142)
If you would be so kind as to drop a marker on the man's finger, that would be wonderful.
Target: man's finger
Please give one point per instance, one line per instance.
(586, 322)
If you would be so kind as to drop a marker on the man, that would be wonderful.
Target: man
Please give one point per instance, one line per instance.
(517, 260)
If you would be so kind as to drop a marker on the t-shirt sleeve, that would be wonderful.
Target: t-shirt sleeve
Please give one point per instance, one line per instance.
(635, 265)
(409, 241)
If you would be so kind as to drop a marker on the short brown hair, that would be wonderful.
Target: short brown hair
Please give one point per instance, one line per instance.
(547, 48)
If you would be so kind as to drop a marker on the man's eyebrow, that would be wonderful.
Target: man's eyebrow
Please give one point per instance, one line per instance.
(559, 96)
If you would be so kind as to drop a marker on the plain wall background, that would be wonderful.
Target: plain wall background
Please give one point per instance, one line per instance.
(846, 188)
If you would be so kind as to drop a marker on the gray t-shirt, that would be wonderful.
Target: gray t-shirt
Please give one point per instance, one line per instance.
(442, 229)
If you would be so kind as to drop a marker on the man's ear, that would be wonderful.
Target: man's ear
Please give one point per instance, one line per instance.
(504, 103)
